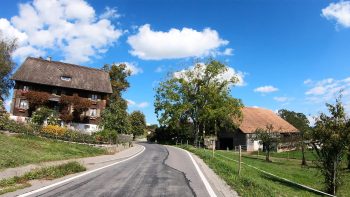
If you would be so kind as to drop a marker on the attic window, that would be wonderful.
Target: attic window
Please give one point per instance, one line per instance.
(66, 78)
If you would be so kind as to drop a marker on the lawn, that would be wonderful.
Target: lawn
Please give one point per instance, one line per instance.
(22, 149)
(254, 183)
(295, 154)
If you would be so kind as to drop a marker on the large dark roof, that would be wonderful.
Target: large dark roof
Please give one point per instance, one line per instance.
(40, 71)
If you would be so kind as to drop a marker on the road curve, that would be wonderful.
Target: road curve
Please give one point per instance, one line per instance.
(145, 175)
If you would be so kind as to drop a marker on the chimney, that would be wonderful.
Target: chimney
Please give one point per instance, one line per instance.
(49, 58)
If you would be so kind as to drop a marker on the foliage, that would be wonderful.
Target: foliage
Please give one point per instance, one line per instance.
(268, 138)
(106, 136)
(79, 105)
(330, 140)
(138, 123)
(118, 76)
(115, 116)
(19, 127)
(50, 172)
(171, 135)
(43, 113)
(36, 99)
(7, 65)
(300, 122)
(200, 96)
(54, 130)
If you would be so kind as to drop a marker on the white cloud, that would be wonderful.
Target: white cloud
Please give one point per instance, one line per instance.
(266, 89)
(156, 45)
(327, 89)
(227, 75)
(132, 67)
(132, 103)
(67, 26)
(311, 120)
(110, 13)
(143, 105)
(340, 12)
(281, 99)
(307, 81)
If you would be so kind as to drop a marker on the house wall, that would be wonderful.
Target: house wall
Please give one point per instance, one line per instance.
(231, 139)
(56, 92)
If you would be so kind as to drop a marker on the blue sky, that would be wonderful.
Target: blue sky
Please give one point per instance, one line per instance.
(289, 54)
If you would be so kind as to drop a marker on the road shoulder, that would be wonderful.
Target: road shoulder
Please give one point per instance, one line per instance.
(217, 184)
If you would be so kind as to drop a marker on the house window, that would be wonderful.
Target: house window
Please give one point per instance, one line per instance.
(66, 78)
(94, 97)
(93, 112)
(26, 88)
(23, 104)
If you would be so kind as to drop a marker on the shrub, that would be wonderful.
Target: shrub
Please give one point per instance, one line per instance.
(106, 136)
(43, 113)
(54, 130)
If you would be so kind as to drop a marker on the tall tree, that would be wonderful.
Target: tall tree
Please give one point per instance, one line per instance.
(7, 46)
(330, 138)
(138, 123)
(115, 116)
(267, 138)
(299, 121)
(198, 95)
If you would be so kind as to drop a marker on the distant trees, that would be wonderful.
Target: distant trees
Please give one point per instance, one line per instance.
(267, 138)
(138, 123)
(199, 96)
(7, 46)
(330, 139)
(300, 122)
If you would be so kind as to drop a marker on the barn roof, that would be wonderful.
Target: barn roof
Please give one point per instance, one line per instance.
(47, 72)
(259, 118)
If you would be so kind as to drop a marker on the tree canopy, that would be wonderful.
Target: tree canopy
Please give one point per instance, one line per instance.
(138, 123)
(330, 140)
(200, 95)
(115, 116)
(299, 121)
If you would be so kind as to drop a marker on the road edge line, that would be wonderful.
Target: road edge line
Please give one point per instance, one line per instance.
(200, 173)
(80, 175)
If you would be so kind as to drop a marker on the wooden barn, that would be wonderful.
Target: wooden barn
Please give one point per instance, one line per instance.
(253, 119)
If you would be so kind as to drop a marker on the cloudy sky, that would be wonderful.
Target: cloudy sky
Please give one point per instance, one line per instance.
(288, 54)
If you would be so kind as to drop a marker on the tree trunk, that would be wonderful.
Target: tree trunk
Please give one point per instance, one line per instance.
(303, 162)
(349, 160)
(196, 132)
(268, 154)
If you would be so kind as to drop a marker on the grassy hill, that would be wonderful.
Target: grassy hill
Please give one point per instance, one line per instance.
(20, 150)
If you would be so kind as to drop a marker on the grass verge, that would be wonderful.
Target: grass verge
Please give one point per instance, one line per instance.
(48, 173)
(23, 149)
(254, 183)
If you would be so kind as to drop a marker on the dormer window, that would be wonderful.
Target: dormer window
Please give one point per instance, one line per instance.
(25, 88)
(66, 78)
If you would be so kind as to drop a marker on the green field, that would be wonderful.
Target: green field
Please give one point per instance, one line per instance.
(254, 183)
(20, 150)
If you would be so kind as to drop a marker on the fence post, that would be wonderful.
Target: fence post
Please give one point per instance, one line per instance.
(240, 160)
(187, 143)
(213, 146)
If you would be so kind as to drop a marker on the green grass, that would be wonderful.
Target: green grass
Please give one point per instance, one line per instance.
(295, 154)
(48, 173)
(254, 183)
(20, 150)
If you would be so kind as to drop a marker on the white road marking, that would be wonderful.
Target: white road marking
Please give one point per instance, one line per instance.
(80, 175)
(204, 179)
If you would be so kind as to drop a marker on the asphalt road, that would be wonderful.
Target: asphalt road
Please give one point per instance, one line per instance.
(158, 171)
